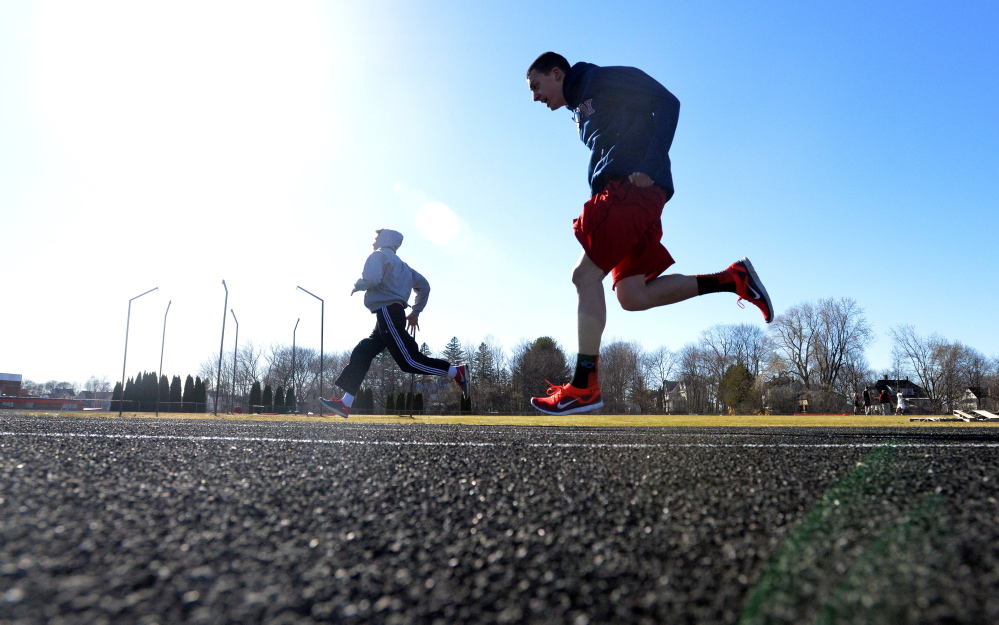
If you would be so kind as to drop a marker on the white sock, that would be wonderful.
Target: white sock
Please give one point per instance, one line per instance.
(452, 371)
(347, 399)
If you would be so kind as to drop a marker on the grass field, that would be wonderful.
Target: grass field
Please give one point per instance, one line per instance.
(581, 420)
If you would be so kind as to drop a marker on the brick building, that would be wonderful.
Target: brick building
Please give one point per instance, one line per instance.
(10, 384)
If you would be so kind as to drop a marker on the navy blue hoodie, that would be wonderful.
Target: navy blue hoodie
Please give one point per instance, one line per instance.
(626, 118)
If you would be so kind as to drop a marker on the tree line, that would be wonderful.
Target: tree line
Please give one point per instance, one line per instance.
(144, 393)
(814, 351)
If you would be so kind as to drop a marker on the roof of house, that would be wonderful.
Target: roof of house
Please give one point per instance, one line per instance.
(894, 386)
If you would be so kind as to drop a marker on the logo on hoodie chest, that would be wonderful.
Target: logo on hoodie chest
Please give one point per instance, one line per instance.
(584, 110)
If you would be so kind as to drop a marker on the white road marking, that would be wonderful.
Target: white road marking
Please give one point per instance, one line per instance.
(407, 443)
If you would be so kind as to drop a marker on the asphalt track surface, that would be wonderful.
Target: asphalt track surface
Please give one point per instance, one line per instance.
(157, 521)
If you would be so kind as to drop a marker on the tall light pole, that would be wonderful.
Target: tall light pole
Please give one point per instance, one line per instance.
(218, 378)
(322, 317)
(232, 395)
(162, 345)
(293, 376)
(128, 321)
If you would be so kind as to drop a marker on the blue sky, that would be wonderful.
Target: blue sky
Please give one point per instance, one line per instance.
(849, 149)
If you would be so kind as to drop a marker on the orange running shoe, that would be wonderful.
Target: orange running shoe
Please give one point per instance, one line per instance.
(567, 399)
(748, 287)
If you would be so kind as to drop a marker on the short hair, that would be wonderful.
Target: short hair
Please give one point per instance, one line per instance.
(548, 61)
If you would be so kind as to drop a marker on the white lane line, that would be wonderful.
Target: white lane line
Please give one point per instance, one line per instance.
(405, 443)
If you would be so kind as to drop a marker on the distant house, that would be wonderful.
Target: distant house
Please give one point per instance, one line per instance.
(62, 393)
(916, 398)
(973, 398)
(675, 396)
(10, 384)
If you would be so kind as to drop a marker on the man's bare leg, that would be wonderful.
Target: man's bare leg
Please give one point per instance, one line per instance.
(634, 293)
(591, 314)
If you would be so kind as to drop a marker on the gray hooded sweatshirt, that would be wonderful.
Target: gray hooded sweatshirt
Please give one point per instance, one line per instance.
(387, 280)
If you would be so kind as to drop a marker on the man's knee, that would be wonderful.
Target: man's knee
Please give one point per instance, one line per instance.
(587, 274)
(631, 293)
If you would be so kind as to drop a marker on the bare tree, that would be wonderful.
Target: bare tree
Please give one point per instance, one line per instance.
(621, 381)
(793, 334)
(751, 347)
(918, 356)
(842, 335)
(657, 367)
(694, 374)
(98, 385)
(816, 341)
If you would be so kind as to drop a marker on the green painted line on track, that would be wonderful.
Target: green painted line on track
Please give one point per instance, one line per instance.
(844, 564)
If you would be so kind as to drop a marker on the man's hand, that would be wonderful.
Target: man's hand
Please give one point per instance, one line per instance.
(413, 323)
(640, 180)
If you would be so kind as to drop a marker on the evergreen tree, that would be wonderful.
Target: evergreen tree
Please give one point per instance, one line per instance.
(164, 393)
(268, 398)
(484, 364)
(736, 388)
(279, 400)
(188, 398)
(466, 405)
(255, 397)
(150, 383)
(418, 404)
(400, 402)
(289, 402)
(116, 397)
(453, 353)
(176, 397)
(409, 402)
(389, 404)
(369, 399)
(129, 394)
(200, 395)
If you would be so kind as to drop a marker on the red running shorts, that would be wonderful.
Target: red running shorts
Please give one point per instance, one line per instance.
(621, 230)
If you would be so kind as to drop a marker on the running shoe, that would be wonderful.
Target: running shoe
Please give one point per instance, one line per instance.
(567, 399)
(461, 378)
(336, 405)
(748, 287)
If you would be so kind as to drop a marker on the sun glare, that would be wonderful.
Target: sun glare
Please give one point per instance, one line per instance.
(185, 104)
(437, 223)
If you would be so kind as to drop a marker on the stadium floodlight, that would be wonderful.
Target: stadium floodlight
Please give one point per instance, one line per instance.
(322, 316)
(232, 394)
(128, 321)
(294, 377)
(218, 378)
(162, 345)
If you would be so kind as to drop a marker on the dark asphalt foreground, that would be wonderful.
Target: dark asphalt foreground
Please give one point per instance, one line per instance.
(157, 521)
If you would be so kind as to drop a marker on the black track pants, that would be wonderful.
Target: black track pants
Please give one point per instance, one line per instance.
(390, 331)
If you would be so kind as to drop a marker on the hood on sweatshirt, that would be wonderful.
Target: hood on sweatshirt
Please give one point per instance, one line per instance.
(389, 239)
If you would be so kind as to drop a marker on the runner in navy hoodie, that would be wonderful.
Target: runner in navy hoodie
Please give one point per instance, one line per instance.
(627, 120)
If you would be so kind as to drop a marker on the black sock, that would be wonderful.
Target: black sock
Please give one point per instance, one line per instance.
(715, 283)
(585, 365)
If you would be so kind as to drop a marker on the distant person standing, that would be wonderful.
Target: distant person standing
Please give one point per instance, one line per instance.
(900, 404)
(627, 120)
(885, 398)
(867, 401)
(388, 282)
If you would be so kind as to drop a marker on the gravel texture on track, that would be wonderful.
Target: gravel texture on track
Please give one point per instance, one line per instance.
(155, 521)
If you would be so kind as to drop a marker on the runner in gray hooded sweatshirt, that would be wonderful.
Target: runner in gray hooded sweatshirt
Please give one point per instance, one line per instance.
(388, 282)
